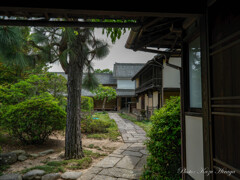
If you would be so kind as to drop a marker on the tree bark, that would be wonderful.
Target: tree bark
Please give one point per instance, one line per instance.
(73, 141)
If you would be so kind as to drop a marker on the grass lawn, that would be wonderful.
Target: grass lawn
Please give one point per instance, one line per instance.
(112, 132)
(145, 124)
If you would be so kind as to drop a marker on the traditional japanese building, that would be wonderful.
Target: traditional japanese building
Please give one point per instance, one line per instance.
(123, 73)
(155, 83)
(205, 34)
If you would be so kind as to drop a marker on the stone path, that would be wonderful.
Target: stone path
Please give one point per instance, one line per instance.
(125, 163)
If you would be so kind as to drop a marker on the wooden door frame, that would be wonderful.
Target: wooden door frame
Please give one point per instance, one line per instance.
(206, 98)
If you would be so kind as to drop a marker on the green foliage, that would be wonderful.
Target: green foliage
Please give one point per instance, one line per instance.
(107, 71)
(164, 145)
(90, 82)
(87, 103)
(114, 33)
(7, 75)
(102, 128)
(90, 125)
(103, 92)
(34, 119)
(17, 50)
(34, 85)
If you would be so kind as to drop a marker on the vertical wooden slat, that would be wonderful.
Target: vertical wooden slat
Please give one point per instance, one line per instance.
(206, 101)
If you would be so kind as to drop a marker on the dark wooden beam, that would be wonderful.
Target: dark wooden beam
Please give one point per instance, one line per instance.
(156, 51)
(153, 40)
(36, 23)
(91, 9)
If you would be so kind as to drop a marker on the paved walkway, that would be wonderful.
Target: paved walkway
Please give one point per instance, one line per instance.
(125, 163)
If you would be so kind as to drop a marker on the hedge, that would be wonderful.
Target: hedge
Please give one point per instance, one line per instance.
(164, 145)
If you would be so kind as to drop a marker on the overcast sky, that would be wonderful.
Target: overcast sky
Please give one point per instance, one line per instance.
(118, 53)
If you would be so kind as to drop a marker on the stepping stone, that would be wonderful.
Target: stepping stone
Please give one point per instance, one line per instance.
(116, 155)
(87, 176)
(34, 174)
(34, 155)
(49, 151)
(141, 163)
(143, 151)
(132, 153)
(128, 162)
(71, 175)
(125, 146)
(52, 176)
(19, 152)
(121, 173)
(118, 151)
(11, 177)
(22, 157)
(102, 177)
(108, 162)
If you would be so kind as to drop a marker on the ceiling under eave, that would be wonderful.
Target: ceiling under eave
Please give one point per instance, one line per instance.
(157, 25)
(74, 9)
(158, 35)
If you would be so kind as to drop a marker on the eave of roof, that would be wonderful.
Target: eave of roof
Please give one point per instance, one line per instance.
(156, 58)
(159, 35)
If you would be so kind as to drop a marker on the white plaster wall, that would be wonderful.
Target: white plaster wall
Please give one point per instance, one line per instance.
(125, 84)
(155, 98)
(194, 147)
(171, 76)
(146, 101)
(139, 102)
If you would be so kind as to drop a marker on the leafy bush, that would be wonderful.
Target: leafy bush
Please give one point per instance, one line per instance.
(165, 143)
(33, 120)
(35, 85)
(89, 125)
(87, 103)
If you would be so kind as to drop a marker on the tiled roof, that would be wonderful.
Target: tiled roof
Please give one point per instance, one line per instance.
(126, 70)
(105, 78)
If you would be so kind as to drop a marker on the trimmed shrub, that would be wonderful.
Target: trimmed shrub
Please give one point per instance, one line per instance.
(33, 120)
(87, 103)
(164, 144)
(89, 125)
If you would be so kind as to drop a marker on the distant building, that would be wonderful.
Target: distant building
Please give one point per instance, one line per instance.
(155, 83)
(121, 81)
(123, 73)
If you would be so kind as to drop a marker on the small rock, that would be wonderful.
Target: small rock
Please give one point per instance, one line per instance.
(34, 155)
(8, 158)
(49, 151)
(52, 176)
(19, 152)
(11, 177)
(61, 156)
(34, 174)
(71, 175)
(22, 157)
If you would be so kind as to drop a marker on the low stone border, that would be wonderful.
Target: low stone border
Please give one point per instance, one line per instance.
(38, 174)
(20, 155)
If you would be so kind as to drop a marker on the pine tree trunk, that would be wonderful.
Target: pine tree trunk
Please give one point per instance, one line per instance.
(73, 141)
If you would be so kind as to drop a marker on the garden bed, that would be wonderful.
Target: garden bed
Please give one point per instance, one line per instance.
(96, 147)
